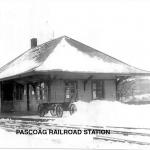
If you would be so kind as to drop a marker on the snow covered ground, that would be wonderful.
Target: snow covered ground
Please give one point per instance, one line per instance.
(129, 125)
(109, 113)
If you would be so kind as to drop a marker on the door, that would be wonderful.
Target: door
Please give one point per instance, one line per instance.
(7, 97)
(70, 91)
(98, 89)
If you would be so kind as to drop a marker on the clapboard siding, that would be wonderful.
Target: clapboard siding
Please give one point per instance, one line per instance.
(57, 91)
(110, 89)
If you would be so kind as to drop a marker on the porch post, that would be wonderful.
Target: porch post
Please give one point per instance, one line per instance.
(0, 97)
(49, 89)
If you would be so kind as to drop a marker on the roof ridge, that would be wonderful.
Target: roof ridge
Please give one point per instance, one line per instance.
(47, 43)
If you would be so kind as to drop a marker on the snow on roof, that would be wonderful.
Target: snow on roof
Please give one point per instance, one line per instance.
(66, 54)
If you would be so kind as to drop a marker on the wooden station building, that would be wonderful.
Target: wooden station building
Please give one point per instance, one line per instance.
(60, 70)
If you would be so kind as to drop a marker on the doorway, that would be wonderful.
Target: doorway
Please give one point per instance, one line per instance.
(7, 96)
(70, 91)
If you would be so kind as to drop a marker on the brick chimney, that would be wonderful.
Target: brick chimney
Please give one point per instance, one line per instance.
(33, 42)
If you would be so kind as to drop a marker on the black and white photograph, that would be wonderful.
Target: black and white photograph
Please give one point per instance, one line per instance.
(75, 74)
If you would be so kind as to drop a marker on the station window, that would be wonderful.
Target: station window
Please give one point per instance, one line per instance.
(41, 91)
(70, 90)
(98, 89)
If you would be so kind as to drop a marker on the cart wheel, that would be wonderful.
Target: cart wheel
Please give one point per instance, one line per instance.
(53, 110)
(42, 113)
(40, 110)
(72, 109)
(59, 111)
(39, 107)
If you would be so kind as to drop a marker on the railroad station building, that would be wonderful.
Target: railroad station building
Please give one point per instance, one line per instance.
(58, 71)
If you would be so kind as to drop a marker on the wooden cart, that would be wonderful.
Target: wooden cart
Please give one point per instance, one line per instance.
(56, 109)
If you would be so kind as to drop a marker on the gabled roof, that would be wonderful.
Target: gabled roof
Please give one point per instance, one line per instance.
(66, 54)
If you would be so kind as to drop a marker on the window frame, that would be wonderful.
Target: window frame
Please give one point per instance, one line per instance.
(41, 91)
(19, 92)
(103, 91)
(75, 88)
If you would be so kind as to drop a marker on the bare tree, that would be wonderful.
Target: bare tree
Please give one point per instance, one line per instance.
(125, 88)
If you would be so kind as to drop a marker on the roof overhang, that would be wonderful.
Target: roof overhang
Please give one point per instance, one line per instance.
(66, 57)
(74, 75)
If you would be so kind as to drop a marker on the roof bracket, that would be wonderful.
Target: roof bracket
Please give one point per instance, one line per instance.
(121, 78)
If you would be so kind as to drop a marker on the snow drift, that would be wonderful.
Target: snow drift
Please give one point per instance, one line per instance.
(96, 113)
(109, 113)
